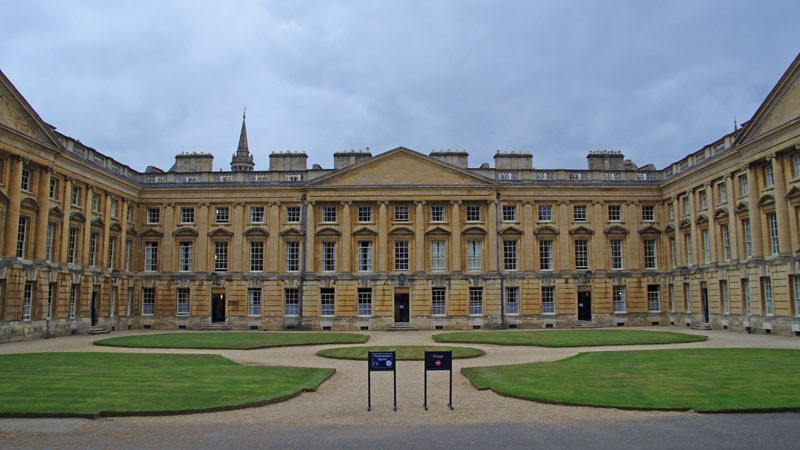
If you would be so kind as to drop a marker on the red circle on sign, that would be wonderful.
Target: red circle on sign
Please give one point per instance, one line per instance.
(438, 362)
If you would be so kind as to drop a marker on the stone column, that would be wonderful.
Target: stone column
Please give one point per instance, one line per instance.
(43, 198)
(419, 236)
(66, 202)
(492, 238)
(754, 212)
(600, 258)
(455, 239)
(528, 241)
(310, 237)
(119, 257)
(12, 213)
(87, 227)
(107, 233)
(239, 252)
(712, 222)
(634, 250)
(734, 235)
(347, 239)
(200, 257)
(697, 249)
(564, 243)
(166, 247)
(781, 205)
(680, 250)
(383, 237)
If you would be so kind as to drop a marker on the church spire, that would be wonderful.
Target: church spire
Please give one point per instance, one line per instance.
(242, 160)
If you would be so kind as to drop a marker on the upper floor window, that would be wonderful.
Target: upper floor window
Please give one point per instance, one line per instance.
(114, 205)
(650, 255)
(545, 213)
(473, 213)
(687, 209)
(256, 214)
(581, 254)
(96, 202)
(187, 215)
(365, 214)
(75, 197)
(648, 213)
(614, 213)
(329, 214)
(437, 214)
(703, 196)
(27, 179)
(744, 187)
(796, 166)
(292, 214)
(722, 192)
(150, 256)
(579, 213)
(222, 215)
(509, 213)
(54, 188)
(769, 176)
(401, 213)
(153, 216)
(220, 256)
(364, 256)
(671, 211)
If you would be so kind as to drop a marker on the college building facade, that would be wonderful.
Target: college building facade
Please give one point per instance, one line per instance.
(399, 239)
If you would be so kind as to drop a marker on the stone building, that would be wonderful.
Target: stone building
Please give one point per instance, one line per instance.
(399, 238)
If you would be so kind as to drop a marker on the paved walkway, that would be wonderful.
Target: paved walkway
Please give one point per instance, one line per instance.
(342, 400)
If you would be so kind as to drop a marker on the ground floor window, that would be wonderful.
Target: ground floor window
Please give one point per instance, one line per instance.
(653, 298)
(619, 299)
(512, 300)
(796, 294)
(723, 297)
(766, 296)
(73, 299)
(746, 296)
(148, 301)
(27, 300)
(327, 302)
(548, 300)
(292, 301)
(364, 302)
(438, 301)
(254, 302)
(475, 301)
(183, 301)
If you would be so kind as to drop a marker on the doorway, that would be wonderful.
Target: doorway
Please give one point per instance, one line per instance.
(585, 306)
(94, 308)
(401, 307)
(217, 308)
(704, 298)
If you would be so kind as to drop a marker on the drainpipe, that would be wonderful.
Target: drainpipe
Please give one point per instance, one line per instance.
(500, 268)
(303, 231)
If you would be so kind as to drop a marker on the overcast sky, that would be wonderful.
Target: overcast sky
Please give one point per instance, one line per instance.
(142, 81)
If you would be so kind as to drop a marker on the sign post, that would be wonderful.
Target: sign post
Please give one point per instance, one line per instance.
(439, 361)
(380, 362)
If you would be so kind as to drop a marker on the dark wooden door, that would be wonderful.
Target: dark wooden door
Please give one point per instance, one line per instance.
(585, 306)
(94, 308)
(218, 307)
(401, 308)
(704, 298)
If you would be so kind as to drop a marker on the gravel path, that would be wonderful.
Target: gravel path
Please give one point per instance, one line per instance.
(342, 400)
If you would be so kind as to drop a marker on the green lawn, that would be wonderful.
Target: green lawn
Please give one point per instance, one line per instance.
(568, 338)
(404, 352)
(97, 384)
(232, 340)
(705, 380)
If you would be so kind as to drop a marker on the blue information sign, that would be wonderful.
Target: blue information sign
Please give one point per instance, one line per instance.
(379, 361)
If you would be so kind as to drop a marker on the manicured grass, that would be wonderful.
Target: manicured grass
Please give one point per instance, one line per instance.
(235, 340)
(96, 384)
(568, 338)
(705, 380)
(404, 352)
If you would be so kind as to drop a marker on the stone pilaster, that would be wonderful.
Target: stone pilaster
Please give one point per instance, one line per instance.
(455, 238)
(43, 198)
(12, 212)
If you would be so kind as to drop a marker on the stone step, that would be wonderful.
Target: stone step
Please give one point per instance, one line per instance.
(401, 326)
(701, 326)
(584, 324)
(217, 327)
(98, 330)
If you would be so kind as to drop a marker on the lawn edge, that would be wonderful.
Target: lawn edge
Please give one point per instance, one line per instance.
(341, 358)
(705, 338)
(183, 412)
(230, 348)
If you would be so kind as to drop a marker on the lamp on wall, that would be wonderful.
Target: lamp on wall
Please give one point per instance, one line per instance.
(215, 279)
(401, 280)
(114, 276)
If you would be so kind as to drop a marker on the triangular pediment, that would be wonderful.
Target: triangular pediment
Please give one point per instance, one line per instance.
(781, 106)
(402, 167)
(19, 117)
